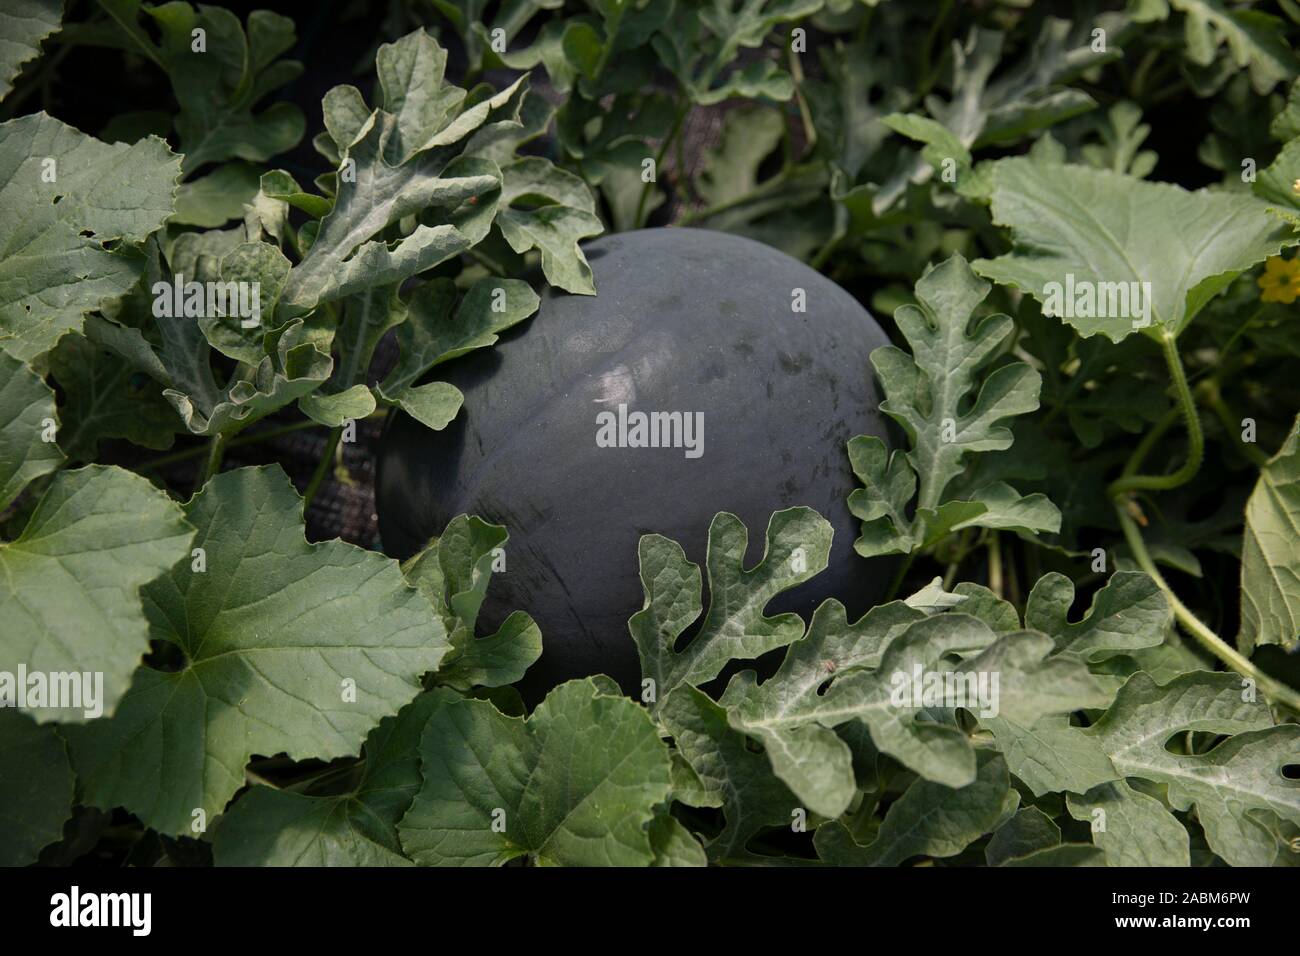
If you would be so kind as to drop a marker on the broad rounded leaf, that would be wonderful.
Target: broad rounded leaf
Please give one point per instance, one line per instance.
(1270, 553)
(1098, 226)
(64, 194)
(36, 788)
(26, 405)
(575, 784)
(23, 25)
(287, 647)
(70, 591)
(270, 827)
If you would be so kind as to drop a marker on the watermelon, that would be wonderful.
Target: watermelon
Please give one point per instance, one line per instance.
(709, 373)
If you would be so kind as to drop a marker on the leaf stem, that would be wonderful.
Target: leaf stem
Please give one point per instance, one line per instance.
(1129, 482)
(318, 476)
(1274, 689)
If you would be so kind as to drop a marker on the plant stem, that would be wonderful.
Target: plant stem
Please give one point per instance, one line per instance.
(1213, 399)
(318, 476)
(995, 564)
(796, 72)
(659, 161)
(216, 452)
(256, 778)
(1195, 438)
(903, 567)
(824, 253)
(775, 184)
(1274, 689)
(252, 439)
(1149, 441)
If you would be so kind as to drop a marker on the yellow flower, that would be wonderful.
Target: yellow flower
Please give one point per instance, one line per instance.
(1281, 280)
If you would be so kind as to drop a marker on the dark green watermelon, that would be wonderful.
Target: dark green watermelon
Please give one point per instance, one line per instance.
(684, 320)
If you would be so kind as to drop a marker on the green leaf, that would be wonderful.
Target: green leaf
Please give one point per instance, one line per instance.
(294, 366)
(453, 572)
(337, 408)
(431, 335)
(367, 317)
(1130, 827)
(929, 393)
(550, 210)
(71, 592)
(1067, 854)
(730, 171)
(345, 259)
(1240, 774)
(36, 789)
(992, 104)
(1024, 97)
(219, 86)
(107, 398)
(1270, 553)
(23, 25)
(929, 389)
(282, 646)
(1122, 134)
(1254, 40)
(239, 330)
(728, 772)
(216, 198)
(1029, 831)
(889, 484)
(780, 713)
(942, 148)
(26, 404)
(468, 20)
(268, 827)
(1101, 227)
(575, 784)
(792, 713)
(1049, 755)
(929, 820)
(55, 267)
(735, 627)
(439, 178)
(673, 843)
(705, 41)
(433, 405)
(285, 364)
(1129, 613)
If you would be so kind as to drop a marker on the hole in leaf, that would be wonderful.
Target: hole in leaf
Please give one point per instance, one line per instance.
(1197, 743)
(165, 656)
(1291, 771)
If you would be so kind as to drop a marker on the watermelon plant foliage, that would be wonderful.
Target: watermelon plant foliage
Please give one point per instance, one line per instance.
(1086, 525)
